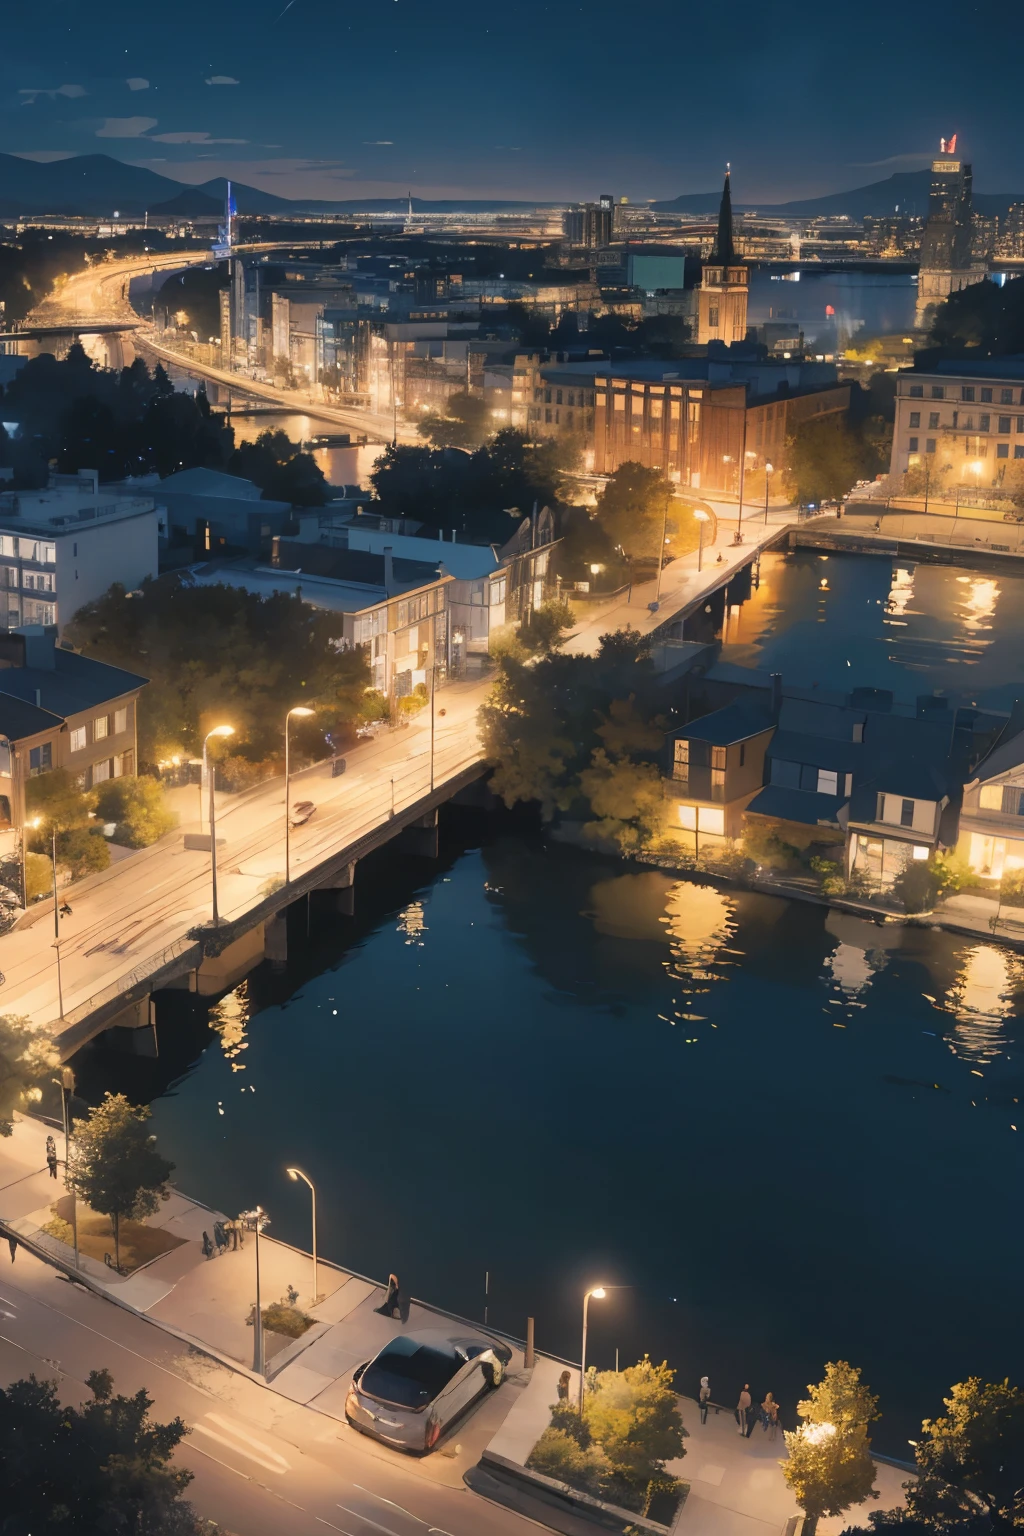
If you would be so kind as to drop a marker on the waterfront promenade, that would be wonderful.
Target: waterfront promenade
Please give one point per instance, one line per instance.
(178, 1326)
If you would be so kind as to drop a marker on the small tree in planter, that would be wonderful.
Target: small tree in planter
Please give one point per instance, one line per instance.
(634, 1416)
(115, 1167)
(829, 1464)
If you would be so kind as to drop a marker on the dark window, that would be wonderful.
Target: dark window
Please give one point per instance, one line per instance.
(986, 422)
(915, 418)
(929, 445)
(967, 392)
(913, 445)
(1002, 450)
(917, 391)
(1004, 423)
(785, 774)
(933, 420)
(938, 392)
(1006, 397)
(986, 397)
(40, 759)
(558, 397)
(907, 813)
(1018, 450)
(808, 777)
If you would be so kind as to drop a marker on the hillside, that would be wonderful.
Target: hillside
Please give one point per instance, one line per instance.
(905, 190)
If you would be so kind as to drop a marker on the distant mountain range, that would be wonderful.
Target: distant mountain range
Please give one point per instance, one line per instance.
(97, 185)
(906, 190)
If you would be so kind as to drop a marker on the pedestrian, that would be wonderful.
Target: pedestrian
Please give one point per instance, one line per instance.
(704, 1398)
(51, 1146)
(776, 1421)
(51, 1163)
(240, 1229)
(231, 1228)
(207, 1246)
(743, 1408)
(769, 1408)
(391, 1306)
(220, 1237)
(12, 1243)
(564, 1382)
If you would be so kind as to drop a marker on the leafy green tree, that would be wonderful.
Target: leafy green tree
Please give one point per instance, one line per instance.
(634, 1416)
(115, 1167)
(139, 808)
(54, 800)
(969, 1461)
(27, 1058)
(543, 630)
(103, 1467)
(827, 455)
(829, 1466)
(981, 316)
(633, 509)
(283, 473)
(464, 423)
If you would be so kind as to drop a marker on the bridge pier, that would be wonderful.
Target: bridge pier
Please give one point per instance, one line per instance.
(219, 973)
(343, 884)
(420, 837)
(275, 940)
(133, 1030)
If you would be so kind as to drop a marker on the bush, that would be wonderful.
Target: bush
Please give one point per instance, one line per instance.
(374, 706)
(38, 876)
(765, 846)
(236, 773)
(82, 851)
(541, 631)
(917, 886)
(138, 808)
(412, 703)
(558, 1455)
(281, 1318)
(954, 872)
(1011, 888)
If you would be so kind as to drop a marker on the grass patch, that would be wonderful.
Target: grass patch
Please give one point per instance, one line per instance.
(139, 1244)
(281, 1318)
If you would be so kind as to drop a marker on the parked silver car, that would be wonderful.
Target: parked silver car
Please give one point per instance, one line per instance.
(419, 1383)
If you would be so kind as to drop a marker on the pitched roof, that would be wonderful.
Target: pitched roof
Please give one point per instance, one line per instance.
(19, 719)
(797, 805)
(77, 683)
(209, 482)
(734, 722)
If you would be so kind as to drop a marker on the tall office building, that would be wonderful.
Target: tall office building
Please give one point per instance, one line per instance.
(722, 296)
(589, 226)
(946, 261)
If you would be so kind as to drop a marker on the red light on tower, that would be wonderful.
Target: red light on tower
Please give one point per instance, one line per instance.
(829, 310)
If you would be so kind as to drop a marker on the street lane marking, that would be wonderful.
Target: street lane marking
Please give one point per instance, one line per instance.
(270, 1459)
(383, 1500)
(333, 1527)
(367, 1520)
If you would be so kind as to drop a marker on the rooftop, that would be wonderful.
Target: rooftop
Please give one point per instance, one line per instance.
(1010, 367)
(734, 722)
(56, 680)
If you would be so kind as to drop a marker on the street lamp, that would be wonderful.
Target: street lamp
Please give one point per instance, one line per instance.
(702, 518)
(599, 1293)
(295, 1174)
(66, 1084)
(218, 730)
(256, 1220)
(769, 470)
(302, 710)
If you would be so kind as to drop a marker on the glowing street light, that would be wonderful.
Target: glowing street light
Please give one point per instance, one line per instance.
(702, 518)
(301, 710)
(599, 1292)
(769, 470)
(218, 730)
(295, 1174)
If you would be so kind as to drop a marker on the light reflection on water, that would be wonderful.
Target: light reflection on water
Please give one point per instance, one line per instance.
(981, 999)
(700, 923)
(230, 1018)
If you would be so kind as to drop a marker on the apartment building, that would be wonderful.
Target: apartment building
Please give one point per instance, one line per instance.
(962, 420)
(61, 710)
(64, 546)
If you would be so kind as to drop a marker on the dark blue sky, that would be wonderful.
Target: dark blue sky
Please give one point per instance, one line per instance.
(557, 99)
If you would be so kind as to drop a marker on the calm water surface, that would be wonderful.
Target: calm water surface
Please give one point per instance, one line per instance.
(789, 1135)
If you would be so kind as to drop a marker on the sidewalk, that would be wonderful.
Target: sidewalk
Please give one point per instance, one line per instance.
(206, 1302)
(736, 1484)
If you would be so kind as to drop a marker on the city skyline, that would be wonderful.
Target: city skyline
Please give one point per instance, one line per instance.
(527, 101)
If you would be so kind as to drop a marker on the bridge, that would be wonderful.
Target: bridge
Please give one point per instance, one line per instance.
(146, 922)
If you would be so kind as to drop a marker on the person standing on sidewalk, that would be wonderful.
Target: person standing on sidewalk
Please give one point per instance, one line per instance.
(704, 1398)
(207, 1246)
(743, 1408)
(51, 1163)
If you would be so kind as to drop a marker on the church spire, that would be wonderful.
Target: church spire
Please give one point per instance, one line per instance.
(724, 254)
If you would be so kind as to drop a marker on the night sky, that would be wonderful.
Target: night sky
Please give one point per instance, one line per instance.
(524, 99)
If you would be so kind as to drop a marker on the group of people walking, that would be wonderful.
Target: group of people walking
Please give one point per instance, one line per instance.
(226, 1234)
(747, 1415)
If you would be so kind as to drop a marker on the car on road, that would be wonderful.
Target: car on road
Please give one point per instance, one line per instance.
(302, 810)
(420, 1382)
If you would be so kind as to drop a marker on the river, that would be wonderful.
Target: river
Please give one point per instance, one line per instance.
(789, 1135)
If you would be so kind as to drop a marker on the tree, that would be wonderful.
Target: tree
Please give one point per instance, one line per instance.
(55, 802)
(633, 509)
(465, 423)
(970, 1463)
(827, 455)
(982, 316)
(139, 808)
(634, 1417)
(282, 472)
(543, 629)
(27, 1058)
(622, 784)
(829, 1464)
(115, 1167)
(105, 1466)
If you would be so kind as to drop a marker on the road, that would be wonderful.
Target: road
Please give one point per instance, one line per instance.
(133, 912)
(262, 1465)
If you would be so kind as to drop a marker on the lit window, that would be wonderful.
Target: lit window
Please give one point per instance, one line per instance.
(688, 817)
(100, 727)
(120, 720)
(991, 797)
(78, 739)
(828, 782)
(101, 771)
(919, 852)
(711, 818)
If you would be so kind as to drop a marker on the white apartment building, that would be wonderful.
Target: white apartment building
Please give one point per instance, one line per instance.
(963, 420)
(63, 547)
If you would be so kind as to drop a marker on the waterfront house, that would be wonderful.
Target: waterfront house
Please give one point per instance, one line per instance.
(992, 816)
(716, 768)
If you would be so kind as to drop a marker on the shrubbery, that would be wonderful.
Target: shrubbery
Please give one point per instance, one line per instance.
(137, 807)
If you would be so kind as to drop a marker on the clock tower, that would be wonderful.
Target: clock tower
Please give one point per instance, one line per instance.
(722, 296)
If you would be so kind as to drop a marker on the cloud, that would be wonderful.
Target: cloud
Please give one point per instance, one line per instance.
(125, 127)
(222, 80)
(191, 138)
(912, 157)
(374, 142)
(32, 93)
(137, 83)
